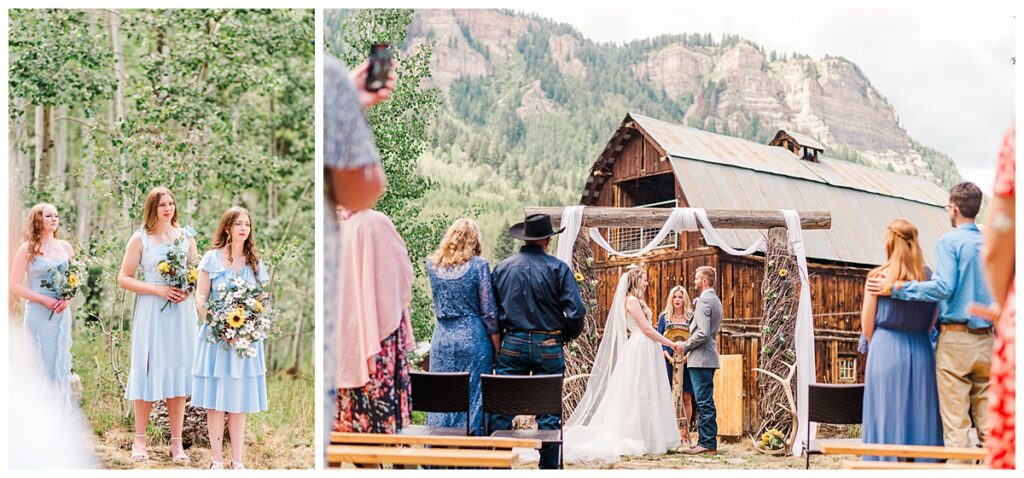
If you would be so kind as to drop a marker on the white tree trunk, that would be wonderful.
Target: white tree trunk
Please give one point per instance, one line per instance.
(60, 148)
(44, 145)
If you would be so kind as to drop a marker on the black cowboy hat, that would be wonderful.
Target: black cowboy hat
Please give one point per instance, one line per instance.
(534, 228)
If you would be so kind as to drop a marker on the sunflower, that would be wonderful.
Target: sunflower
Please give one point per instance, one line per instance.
(163, 267)
(783, 272)
(579, 277)
(258, 307)
(73, 279)
(236, 317)
(193, 275)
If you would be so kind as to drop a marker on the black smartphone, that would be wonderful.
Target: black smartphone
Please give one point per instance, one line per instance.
(380, 65)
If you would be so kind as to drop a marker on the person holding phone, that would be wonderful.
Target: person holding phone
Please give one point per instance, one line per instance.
(353, 179)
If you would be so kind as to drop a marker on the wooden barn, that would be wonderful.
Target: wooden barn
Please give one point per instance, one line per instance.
(652, 163)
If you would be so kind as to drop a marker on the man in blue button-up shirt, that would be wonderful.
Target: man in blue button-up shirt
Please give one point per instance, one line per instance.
(964, 348)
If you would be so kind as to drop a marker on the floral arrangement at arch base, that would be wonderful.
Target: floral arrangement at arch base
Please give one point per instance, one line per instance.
(240, 317)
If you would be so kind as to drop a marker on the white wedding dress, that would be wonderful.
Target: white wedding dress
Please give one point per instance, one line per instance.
(627, 408)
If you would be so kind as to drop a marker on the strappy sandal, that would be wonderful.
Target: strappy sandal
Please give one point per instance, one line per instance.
(181, 459)
(139, 455)
(237, 465)
(217, 465)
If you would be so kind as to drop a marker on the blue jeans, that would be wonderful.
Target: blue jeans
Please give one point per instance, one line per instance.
(522, 353)
(704, 393)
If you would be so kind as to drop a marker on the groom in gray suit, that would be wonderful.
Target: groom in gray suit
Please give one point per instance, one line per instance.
(702, 358)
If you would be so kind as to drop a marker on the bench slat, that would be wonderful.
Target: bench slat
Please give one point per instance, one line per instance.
(903, 451)
(435, 440)
(337, 454)
(903, 465)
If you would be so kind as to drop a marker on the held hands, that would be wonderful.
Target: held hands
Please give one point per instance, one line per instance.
(370, 98)
(678, 348)
(172, 294)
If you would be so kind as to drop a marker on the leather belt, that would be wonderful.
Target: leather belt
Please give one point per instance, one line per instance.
(964, 328)
(545, 332)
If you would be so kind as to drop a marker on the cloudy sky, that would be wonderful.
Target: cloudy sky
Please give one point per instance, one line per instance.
(947, 72)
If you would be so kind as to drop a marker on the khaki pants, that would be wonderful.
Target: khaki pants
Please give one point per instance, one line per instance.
(962, 364)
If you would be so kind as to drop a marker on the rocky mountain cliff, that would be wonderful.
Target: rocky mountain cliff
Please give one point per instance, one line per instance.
(727, 85)
(530, 103)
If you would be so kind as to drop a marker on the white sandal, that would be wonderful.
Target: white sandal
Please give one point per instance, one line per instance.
(237, 465)
(183, 458)
(217, 465)
(139, 456)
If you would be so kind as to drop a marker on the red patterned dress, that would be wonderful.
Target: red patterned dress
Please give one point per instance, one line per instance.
(1002, 384)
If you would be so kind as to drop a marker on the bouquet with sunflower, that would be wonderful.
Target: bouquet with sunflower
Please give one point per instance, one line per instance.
(178, 270)
(241, 316)
(65, 280)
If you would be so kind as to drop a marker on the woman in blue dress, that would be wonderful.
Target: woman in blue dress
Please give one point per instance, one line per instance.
(901, 399)
(222, 382)
(163, 335)
(466, 334)
(678, 310)
(47, 318)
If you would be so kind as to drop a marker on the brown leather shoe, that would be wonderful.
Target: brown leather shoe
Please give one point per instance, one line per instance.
(699, 450)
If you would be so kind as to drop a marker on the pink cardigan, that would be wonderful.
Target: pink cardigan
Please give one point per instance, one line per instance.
(375, 289)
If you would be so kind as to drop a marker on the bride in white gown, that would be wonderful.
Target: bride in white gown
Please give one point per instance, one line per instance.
(627, 408)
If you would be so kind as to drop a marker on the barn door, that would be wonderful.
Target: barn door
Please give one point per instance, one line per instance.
(729, 395)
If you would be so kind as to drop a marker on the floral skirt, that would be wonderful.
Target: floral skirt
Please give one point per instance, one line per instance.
(1002, 391)
(383, 404)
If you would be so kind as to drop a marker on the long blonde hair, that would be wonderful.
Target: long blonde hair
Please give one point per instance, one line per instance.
(34, 229)
(687, 306)
(149, 210)
(460, 243)
(634, 274)
(905, 261)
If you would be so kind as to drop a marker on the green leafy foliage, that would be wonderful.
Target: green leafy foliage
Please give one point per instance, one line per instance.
(216, 105)
(400, 132)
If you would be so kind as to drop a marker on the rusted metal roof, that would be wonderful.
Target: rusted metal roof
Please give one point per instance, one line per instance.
(859, 218)
(694, 144)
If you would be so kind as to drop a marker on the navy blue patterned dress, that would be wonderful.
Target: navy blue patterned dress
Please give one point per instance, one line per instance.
(466, 317)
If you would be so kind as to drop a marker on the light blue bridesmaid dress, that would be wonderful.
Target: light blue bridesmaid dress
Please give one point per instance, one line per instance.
(220, 379)
(51, 336)
(163, 343)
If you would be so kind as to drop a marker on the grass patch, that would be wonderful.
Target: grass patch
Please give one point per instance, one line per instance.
(279, 438)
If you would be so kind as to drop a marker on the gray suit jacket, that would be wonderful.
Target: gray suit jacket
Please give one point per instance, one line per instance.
(702, 347)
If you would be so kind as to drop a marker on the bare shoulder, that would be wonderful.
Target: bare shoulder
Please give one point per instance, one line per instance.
(67, 247)
(22, 250)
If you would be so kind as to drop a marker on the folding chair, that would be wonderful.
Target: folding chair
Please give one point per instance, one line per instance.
(440, 392)
(524, 395)
(833, 404)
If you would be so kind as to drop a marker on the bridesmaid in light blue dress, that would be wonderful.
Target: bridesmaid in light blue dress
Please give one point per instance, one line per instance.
(47, 318)
(163, 342)
(221, 381)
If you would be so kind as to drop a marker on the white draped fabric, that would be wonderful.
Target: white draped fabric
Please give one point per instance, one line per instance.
(805, 366)
(685, 219)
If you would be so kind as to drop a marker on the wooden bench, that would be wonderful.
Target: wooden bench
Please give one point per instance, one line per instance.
(902, 452)
(407, 450)
(904, 465)
(432, 440)
(380, 455)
